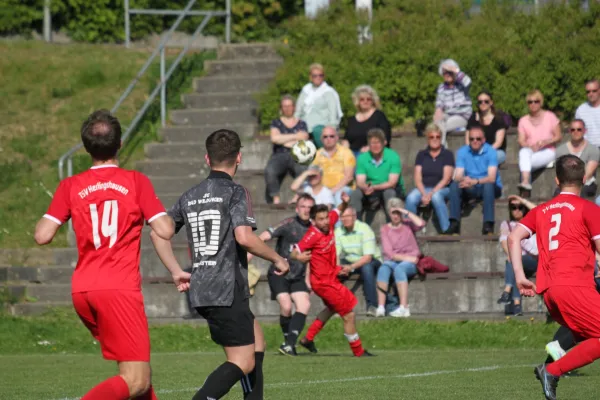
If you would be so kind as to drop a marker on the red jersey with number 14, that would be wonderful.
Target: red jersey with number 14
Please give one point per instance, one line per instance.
(323, 260)
(108, 206)
(566, 228)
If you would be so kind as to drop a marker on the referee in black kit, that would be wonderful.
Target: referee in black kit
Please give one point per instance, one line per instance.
(218, 217)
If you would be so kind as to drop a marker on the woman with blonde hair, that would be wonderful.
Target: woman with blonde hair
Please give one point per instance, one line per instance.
(539, 132)
(368, 116)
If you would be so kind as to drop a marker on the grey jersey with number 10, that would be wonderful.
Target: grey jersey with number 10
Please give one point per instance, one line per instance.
(211, 211)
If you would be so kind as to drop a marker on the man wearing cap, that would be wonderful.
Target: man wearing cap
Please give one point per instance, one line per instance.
(311, 182)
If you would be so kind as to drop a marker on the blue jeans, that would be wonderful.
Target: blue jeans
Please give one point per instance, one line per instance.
(489, 192)
(501, 155)
(367, 275)
(402, 270)
(529, 266)
(438, 201)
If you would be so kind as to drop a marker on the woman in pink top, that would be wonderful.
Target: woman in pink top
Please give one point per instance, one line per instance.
(539, 131)
(400, 253)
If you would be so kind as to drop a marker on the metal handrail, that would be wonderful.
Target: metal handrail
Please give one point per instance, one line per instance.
(164, 76)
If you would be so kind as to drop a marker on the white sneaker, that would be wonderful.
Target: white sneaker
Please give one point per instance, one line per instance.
(400, 312)
(555, 351)
(380, 312)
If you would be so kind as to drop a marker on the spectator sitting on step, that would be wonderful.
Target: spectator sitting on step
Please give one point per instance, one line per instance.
(539, 132)
(453, 106)
(368, 115)
(358, 253)
(318, 104)
(285, 131)
(517, 208)
(434, 167)
(378, 177)
(400, 254)
(587, 152)
(589, 112)
(493, 124)
(337, 163)
(476, 177)
(311, 182)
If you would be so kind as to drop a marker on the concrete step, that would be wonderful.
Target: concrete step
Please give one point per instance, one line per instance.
(252, 152)
(32, 309)
(214, 116)
(245, 50)
(171, 178)
(216, 100)
(245, 67)
(48, 293)
(221, 84)
(199, 133)
(53, 274)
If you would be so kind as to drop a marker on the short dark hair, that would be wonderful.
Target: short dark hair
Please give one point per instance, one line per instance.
(593, 80)
(101, 135)
(318, 208)
(376, 133)
(570, 171)
(305, 196)
(222, 147)
(582, 122)
(476, 125)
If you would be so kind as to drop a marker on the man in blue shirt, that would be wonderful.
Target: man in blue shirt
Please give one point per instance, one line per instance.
(476, 176)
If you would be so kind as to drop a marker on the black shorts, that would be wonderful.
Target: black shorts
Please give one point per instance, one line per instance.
(231, 326)
(279, 284)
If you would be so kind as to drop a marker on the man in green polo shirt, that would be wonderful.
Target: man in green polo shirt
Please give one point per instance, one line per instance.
(358, 253)
(378, 177)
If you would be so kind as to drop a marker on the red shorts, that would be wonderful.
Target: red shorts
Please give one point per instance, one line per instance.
(336, 297)
(577, 308)
(116, 318)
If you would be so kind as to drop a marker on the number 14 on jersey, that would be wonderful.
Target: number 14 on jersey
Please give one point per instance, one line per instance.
(110, 222)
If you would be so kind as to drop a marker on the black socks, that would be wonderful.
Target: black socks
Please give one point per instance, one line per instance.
(219, 382)
(253, 383)
(296, 327)
(284, 322)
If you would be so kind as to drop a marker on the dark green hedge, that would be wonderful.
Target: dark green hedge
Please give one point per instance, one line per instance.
(505, 51)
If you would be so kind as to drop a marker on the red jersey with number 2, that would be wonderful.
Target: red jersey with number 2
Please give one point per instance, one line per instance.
(323, 260)
(566, 228)
(108, 206)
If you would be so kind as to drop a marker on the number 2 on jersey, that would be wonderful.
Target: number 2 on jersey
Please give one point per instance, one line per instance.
(110, 221)
(553, 244)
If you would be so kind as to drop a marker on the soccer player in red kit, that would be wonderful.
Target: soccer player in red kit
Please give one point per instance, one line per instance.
(108, 206)
(323, 276)
(568, 234)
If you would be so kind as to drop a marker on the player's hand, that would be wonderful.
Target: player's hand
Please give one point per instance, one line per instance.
(345, 197)
(283, 267)
(304, 257)
(526, 288)
(181, 280)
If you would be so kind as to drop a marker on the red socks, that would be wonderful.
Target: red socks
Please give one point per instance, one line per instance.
(581, 355)
(149, 395)
(114, 388)
(355, 344)
(314, 328)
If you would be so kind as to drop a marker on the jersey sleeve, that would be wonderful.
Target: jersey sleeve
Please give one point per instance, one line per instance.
(177, 213)
(528, 222)
(334, 217)
(307, 242)
(591, 217)
(241, 209)
(150, 205)
(280, 229)
(59, 210)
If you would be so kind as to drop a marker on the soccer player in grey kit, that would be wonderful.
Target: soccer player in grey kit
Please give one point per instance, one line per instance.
(218, 217)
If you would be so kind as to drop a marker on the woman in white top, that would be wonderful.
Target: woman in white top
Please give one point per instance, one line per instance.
(518, 208)
(311, 182)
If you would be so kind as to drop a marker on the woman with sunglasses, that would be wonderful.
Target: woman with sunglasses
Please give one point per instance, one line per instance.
(517, 208)
(368, 116)
(318, 104)
(539, 132)
(494, 126)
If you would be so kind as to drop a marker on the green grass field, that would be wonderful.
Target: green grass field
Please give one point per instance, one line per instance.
(53, 357)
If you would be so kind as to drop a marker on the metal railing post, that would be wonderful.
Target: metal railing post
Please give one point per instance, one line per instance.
(127, 27)
(228, 21)
(163, 90)
(47, 21)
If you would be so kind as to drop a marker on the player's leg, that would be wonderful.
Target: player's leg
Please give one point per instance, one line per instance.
(562, 342)
(301, 300)
(308, 341)
(285, 313)
(253, 383)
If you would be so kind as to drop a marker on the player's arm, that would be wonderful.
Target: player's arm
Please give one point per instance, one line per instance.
(45, 230)
(265, 237)
(152, 208)
(253, 244)
(344, 204)
(58, 213)
(163, 226)
(167, 257)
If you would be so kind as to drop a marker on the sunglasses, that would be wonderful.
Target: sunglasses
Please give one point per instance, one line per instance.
(591, 91)
(519, 207)
(533, 101)
(483, 101)
(576, 129)
(475, 139)
(318, 75)
(434, 137)
(365, 99)
(327, 137)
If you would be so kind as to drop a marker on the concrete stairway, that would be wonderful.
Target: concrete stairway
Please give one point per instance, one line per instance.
(225, 98)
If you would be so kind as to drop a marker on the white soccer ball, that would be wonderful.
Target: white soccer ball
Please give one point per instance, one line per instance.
(303, 152)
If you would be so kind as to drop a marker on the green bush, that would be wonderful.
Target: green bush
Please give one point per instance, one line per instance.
(505, 51)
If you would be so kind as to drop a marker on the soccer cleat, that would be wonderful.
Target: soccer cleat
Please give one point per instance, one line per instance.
(549, 381)
(287, 350)
(400, 312)
(309, 345)
(380, 312)
(555, 351)
(367, 354)
(504, 298)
